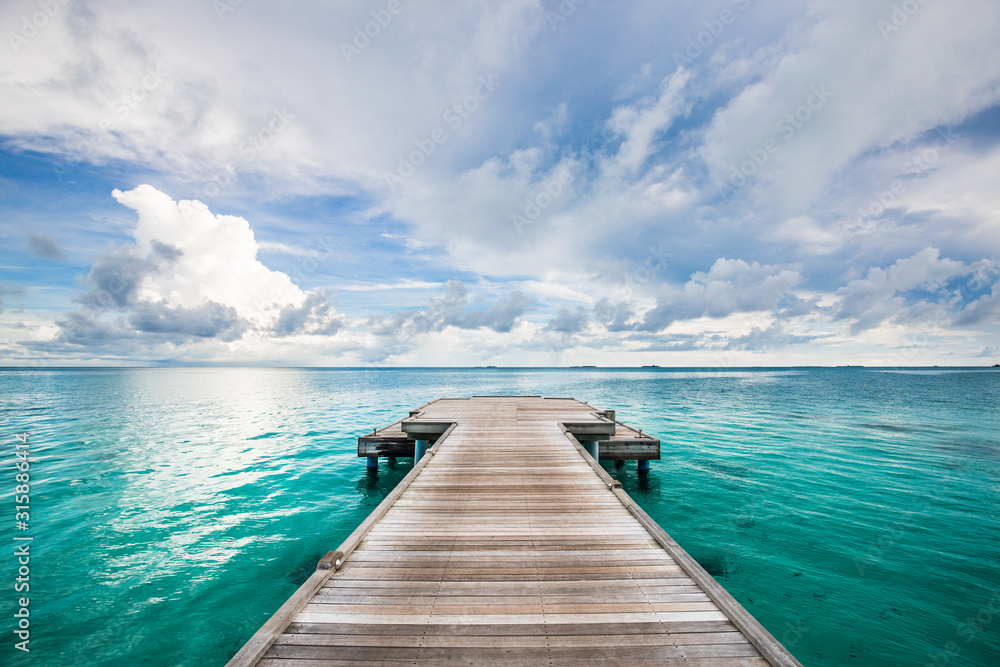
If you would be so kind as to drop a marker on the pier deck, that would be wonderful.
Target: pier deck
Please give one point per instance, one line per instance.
(508, 544)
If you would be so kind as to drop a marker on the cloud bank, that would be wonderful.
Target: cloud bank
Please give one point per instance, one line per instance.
(787, 182)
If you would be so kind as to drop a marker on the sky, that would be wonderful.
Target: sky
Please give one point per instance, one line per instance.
(500, 182)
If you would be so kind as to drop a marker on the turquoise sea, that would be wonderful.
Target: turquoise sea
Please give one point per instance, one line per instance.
(855, 512)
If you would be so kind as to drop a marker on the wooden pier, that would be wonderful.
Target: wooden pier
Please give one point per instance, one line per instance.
(509, 544)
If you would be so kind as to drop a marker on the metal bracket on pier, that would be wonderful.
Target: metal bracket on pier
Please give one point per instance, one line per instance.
(331, 561)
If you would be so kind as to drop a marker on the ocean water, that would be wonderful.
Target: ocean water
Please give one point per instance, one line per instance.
(854, 512)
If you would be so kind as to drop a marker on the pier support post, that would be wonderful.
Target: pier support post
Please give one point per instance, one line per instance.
(419, 448)
(643, 465)
(372, 463)
(593, 448)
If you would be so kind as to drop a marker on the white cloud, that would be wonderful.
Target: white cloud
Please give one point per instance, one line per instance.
(506, 214)
(924, 289)
(640, 123)
(730, 286)
(400, 335)
(938, 69)
(452, 310)
(278, 248)
(402, 285)
(189, 276)
(174, 88)
(552, 127)
(217, 258)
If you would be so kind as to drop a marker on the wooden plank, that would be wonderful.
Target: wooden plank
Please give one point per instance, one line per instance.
(511, 619)
(601, 588)
(365, 552)
(570, 629)
(526, 654)
(451, 560)
(339, 597)
(489, 661)
(451, 577)
(488, 608)
(580, 640)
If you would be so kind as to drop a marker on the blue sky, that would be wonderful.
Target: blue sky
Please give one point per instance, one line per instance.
(514, 182)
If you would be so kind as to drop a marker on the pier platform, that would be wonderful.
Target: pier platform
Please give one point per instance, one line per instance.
(618, 442)
(508, 544)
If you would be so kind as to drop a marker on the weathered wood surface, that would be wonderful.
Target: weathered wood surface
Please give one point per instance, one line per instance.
(507, 544)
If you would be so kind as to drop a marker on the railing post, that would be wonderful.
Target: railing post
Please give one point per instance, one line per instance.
(419, 448)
